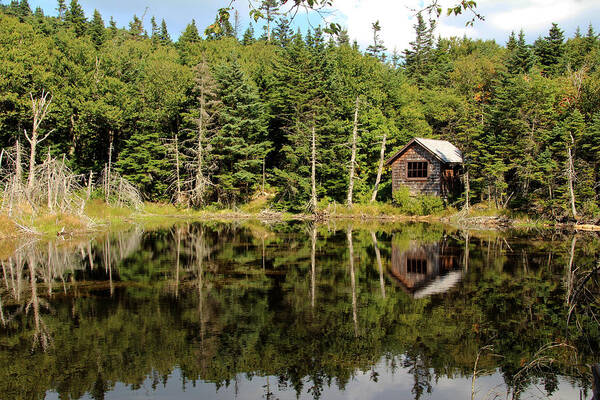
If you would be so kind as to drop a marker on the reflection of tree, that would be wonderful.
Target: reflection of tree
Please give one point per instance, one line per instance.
(41, 334)
(233, 317)
(420, 372)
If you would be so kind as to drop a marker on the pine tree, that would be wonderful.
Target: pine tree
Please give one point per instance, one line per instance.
(97, 30)
(376, 49)
(76, 18)
(248, 38)
(241, 144)
(164, 37)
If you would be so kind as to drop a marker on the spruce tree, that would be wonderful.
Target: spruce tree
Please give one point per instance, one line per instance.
(97, 30)
(24, 9)
(112, 27)
(248, 37)
(62, 9)
(282, 33)
(190, 34)
(511, 45)
(136, 28)
(521, 60)
(418, 58)
(164, 37)
(550, 51)
(154, 30)
(269, 8)
(76, 18)
(591, 39)
(343, 39)
(241, 144)
(376, 49)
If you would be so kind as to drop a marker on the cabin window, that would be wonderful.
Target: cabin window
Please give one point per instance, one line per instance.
(417, 169)
(416, 265)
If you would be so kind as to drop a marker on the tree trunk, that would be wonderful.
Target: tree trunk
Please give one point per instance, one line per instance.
(352, 280)
(353, 156)
(107, 191)
(379, 264)
(313, 178)
(379, 169)
(39, 109)
(467, 190)
(18, 165)
(199, 187)
(313, 252)
(571, 176)
(177, 175)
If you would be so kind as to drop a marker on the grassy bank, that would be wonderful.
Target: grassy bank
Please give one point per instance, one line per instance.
(99, 216)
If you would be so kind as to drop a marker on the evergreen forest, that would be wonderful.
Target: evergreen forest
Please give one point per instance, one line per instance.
(219, 117)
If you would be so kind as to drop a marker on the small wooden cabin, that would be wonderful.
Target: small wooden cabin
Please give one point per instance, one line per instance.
(426, 166)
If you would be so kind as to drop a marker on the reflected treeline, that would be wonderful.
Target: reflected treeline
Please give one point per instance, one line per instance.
(309, 305)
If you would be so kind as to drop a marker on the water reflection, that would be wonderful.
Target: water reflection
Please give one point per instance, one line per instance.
(294, 309)
(424, 269)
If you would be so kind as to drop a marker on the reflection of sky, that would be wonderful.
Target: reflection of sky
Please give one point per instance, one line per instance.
(390, 385)
(396, 16)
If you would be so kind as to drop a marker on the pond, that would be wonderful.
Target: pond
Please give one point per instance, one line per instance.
(293, 310)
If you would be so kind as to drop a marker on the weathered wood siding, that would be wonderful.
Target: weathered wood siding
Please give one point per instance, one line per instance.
(412, 280)
(430, 185)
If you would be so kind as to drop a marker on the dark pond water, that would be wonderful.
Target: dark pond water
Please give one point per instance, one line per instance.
(248, 311)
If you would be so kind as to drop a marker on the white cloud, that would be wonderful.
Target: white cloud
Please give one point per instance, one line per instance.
(536, 14)
(397, 18)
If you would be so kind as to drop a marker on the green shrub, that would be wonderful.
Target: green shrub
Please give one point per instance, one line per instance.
(431, 204)
(417, 205)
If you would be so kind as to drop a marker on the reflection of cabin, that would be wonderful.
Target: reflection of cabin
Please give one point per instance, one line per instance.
(426, 166)
(425, 269)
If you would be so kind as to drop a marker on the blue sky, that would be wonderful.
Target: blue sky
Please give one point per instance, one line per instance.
(396, 16)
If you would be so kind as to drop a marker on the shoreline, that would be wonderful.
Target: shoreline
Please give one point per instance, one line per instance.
(102, 218)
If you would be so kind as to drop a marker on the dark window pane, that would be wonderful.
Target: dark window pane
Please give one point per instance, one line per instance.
(417, 169)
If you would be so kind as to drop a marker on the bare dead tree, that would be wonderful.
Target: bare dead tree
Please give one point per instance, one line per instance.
(353, 155)
(352, 279)
(39, 109)
(379, 168)
(571, 175)
(379, 264)
(313, 173)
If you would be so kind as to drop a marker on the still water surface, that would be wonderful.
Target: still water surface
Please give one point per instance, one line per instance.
(250, 311)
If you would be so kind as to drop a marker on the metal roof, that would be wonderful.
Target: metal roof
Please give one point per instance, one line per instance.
(441, 149)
